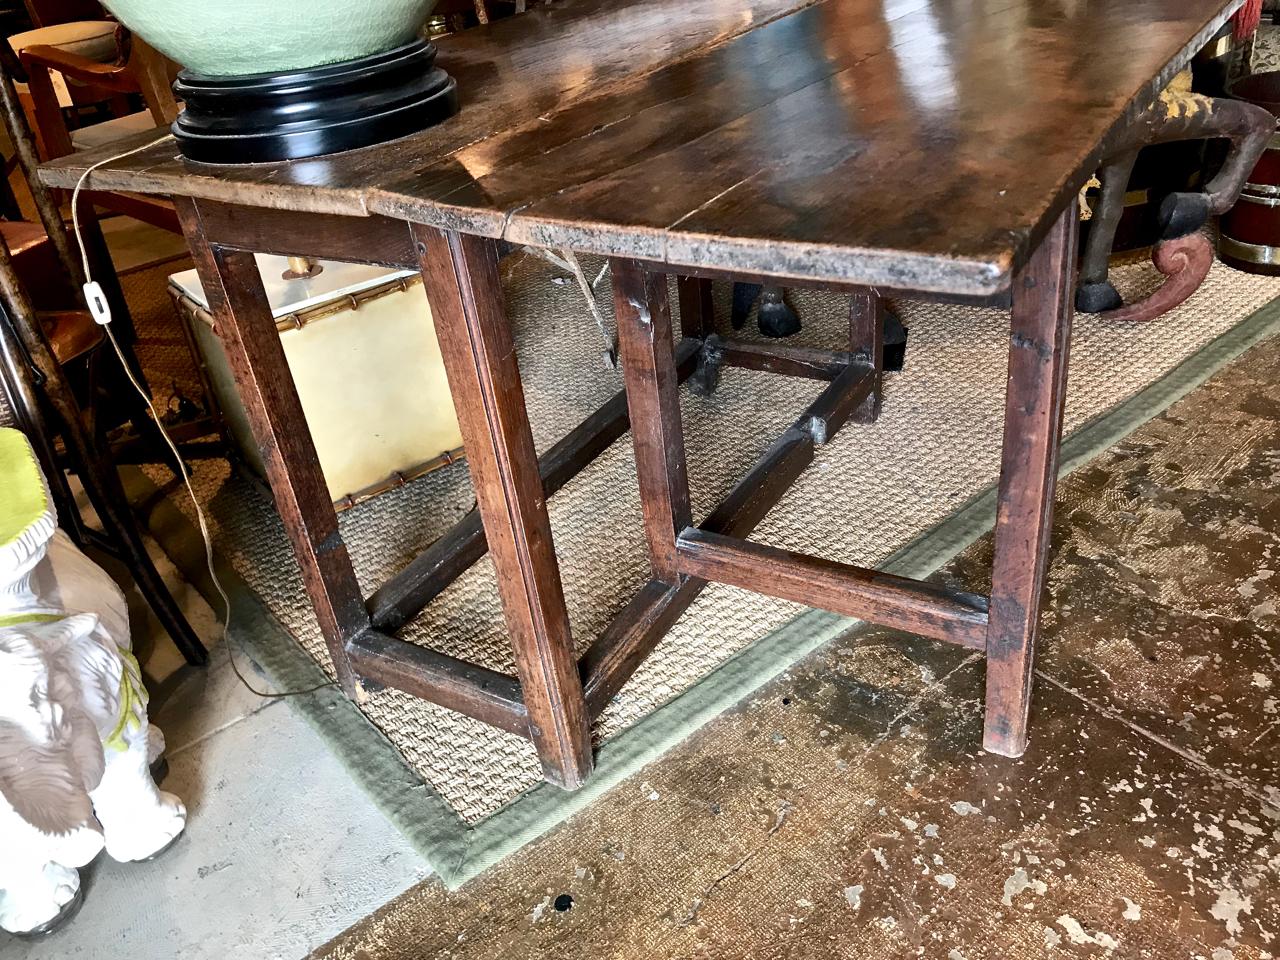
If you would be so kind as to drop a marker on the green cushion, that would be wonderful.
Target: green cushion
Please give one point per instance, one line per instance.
(24, 500)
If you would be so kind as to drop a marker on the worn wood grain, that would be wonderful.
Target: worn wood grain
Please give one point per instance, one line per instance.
(248, 334)
(903, 144)
(513, 72)
(466, 687)
(614, 656)
(917, 607)
(631, 636)
(834, 407)
(401, 598)
(866, 341)
(872, 145)
(1039, 341)
(760, 488)
(461, 278)
(643, 315)
(779, 358)
(376, 240)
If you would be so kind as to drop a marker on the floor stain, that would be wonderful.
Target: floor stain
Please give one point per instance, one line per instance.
(847, 810)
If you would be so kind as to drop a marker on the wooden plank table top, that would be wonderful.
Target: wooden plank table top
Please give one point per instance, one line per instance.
(921, 146)
(910, 144)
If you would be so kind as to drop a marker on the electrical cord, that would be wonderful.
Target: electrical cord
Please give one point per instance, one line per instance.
(101, 312)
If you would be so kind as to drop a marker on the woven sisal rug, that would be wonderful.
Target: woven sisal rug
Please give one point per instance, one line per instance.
(871, 493)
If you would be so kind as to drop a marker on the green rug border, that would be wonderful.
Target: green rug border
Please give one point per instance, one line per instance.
(456, 851)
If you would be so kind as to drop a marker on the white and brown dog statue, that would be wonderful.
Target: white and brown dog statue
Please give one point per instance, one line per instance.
(74, 736)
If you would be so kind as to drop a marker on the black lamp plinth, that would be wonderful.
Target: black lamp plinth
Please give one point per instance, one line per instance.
(264, 117)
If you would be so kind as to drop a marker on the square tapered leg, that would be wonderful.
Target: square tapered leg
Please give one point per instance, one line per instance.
(461, 277)
(1038, 347)
(248, 333)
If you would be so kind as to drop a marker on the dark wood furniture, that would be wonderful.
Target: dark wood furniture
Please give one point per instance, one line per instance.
(33, 351)
(1183, 253)
(1250, 238)
(143, 73)
(924, 147)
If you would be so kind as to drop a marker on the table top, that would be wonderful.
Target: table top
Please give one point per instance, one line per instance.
(908, 144)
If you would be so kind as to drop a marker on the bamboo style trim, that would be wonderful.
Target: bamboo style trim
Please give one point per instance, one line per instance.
(301, 318)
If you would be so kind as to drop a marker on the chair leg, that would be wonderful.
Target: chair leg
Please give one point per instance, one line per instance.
(108, 498)
(1038, 348)
(20, 386)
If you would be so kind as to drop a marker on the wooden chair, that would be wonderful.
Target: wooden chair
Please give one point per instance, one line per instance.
(46, 346)
(79, 27)
(143, 73)
(34, 352)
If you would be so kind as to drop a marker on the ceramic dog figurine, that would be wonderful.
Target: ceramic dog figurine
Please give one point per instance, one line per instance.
(75, 744)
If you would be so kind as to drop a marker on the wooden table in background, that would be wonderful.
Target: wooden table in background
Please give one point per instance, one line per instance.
(914, 147)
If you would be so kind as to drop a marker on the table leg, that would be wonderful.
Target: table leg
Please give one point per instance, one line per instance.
(1038, 347)
(697, 310)
(643, 315)
(248, 333)
(866, 342)
(461, 276)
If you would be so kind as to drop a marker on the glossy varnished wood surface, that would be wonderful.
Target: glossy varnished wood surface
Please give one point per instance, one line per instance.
(909, 144)
(510, 72)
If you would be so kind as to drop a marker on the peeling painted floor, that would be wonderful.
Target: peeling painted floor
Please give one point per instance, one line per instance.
(846, 810)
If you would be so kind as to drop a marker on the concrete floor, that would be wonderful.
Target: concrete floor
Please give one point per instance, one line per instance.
(282, 850)
(846, 810)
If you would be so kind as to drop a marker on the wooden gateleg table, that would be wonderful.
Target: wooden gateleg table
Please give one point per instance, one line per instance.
(907, 147)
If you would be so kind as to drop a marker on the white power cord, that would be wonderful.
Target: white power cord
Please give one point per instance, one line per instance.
(101, 312)
(567, 261)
